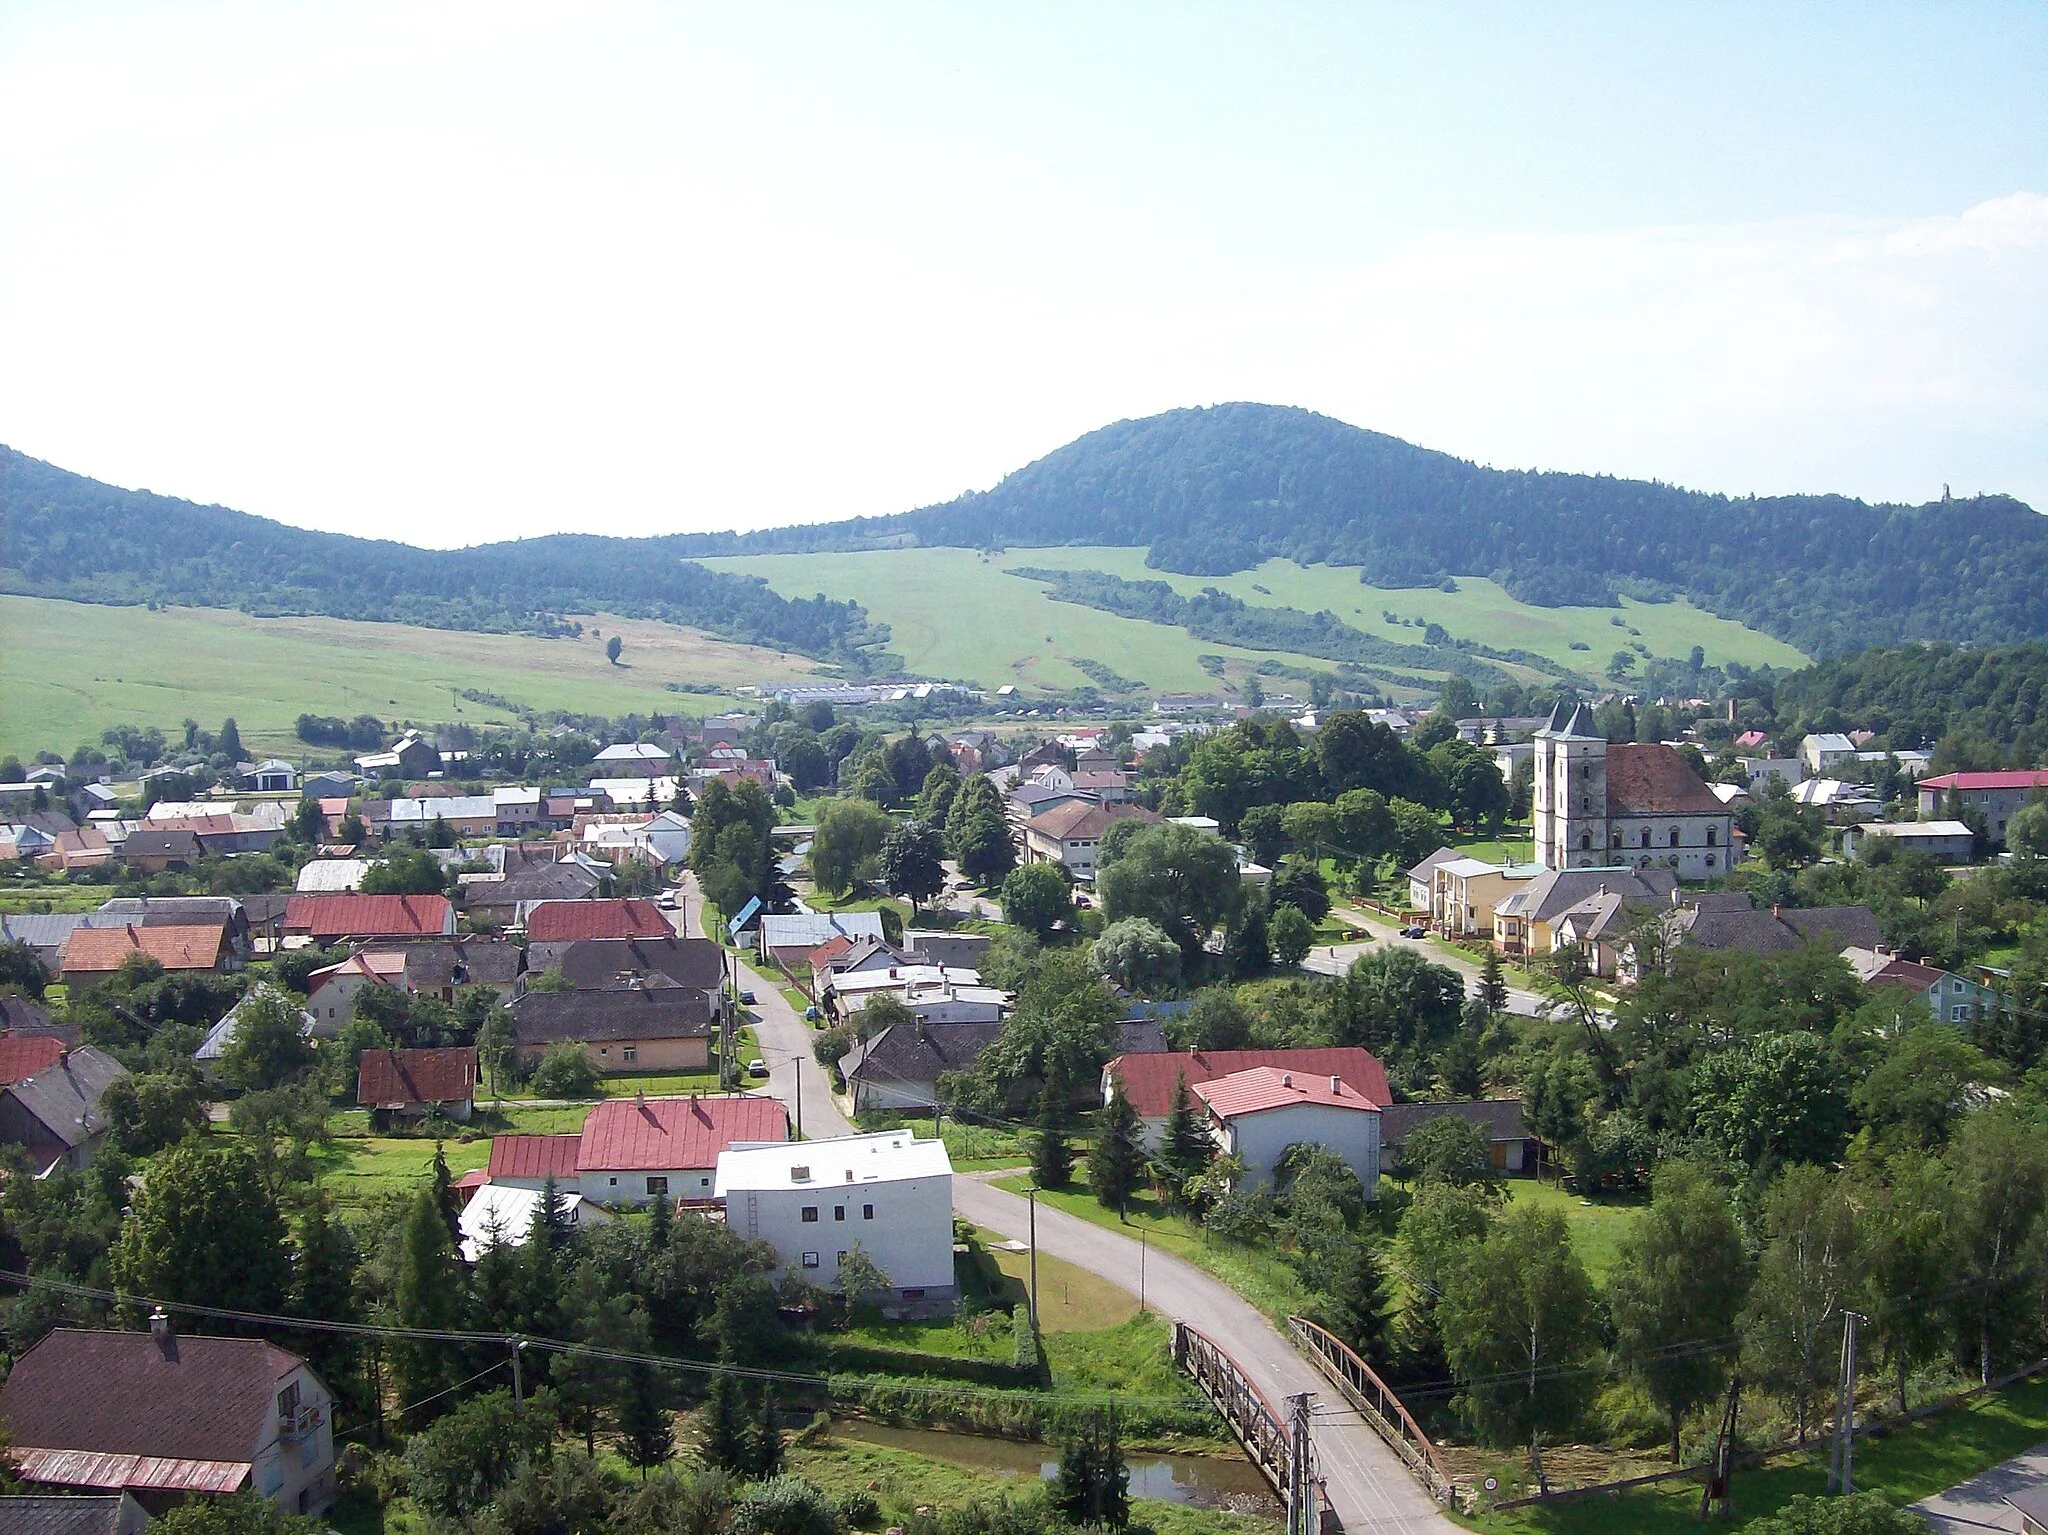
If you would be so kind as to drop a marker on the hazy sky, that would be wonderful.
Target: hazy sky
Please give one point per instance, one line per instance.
(457, 272)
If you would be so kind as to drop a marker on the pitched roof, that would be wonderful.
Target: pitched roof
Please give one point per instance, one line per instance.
(1551, 894)
(653, 1007)
(182, 1398)
(1148, 1080)
(160, 844)
(828, 951)
(368, 916)
(1501, 1118)
(19, 1016)
(172, 910)
(389, 1078)
(555, 921)
(808, 929)
(1433, 862)
(1261, 1089)
(456, 961)
(1729, 923)
(65, 1098)
(2025, 778)
(25, 1055)
(1650, 778)
(535, 1156)
(904, 1053)
(630, 1134)
(60, 1515)
(883, 1156)
(593, 962)
(93, 950)
(1079, 819)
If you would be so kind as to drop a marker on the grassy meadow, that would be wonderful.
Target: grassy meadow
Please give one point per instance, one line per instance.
(68, 670)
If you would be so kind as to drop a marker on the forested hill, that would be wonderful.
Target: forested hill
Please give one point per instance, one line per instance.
(1219, 490)
(67, 536)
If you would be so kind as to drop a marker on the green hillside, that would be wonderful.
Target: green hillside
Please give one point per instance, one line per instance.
(68, 670)
(956, 613)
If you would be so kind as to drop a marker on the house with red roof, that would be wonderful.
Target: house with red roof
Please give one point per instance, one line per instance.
(330, 919)
(412, 1084)
(528, 1161)
(632, 1149)
(562, 921)
(92, 954)
(1151, 1080)
(1257, 1114)
(26, 1054)
(1998, 796)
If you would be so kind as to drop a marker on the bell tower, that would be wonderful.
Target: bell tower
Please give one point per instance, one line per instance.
(1569, 795)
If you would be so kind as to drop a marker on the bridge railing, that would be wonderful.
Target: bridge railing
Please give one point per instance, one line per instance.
(1364, 1390)
(1258, 1426)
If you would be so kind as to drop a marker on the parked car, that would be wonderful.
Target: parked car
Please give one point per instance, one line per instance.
(757, 1067)
(746, 999)
(1412, 931)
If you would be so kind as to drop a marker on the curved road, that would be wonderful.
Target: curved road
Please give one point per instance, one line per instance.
(1368, 1486)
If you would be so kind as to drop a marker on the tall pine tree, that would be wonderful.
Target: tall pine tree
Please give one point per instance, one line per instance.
(1185, 1149)
(767, 1438)
(428, 1296)
(724, 1436)
(1052, 1160)
(647, 1435)
(1116, 1161)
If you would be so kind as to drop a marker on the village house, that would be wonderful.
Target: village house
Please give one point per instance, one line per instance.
(890, 1194)
(787, 940)
(502, 1214)
(1422, 879)
(28, 1054)
(1525, 924)
(332, 990)
(1511, 1147)
(1825, 752)
(22, 1018)
(150, 851)
(560, 921)
(114, 1513)
(634, 759)
(95, 954)
(590, 963)
(633, 1149)
(1950, 842)
(402, 1085)
(1465, 892)
(232, 912)
(1641, 803)
(164, 1417)
(900, 1067)
(1150, 1080)
(331, 876)
(213, 1049)
(1998, 797)
(1255, 1115)
(449, 969)
(645, 1023)
(1949, 998)
(54, 1114)
(498, 900)
(412, 755)
(1069, 835)
(326, 920)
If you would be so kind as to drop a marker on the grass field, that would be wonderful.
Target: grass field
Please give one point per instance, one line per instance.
(68, 670)
(956, 613)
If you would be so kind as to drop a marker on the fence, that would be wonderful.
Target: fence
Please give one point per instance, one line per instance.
(1375, 1402)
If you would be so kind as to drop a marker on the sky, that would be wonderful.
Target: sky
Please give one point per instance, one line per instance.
(457, 272)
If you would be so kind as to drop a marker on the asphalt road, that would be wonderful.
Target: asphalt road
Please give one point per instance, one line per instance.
(1328, 959)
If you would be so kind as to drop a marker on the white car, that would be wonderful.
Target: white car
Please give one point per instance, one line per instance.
(757, 1067)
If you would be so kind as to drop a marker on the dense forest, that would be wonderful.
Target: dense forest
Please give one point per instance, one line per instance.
(1987, 703)
(68, 536)
(1218, 490)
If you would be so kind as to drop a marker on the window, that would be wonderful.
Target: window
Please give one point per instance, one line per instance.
(839, 1212)
(1617, 839)
(288, 1401)
(1646, 836)
(604, 1049)
(1674, 836)
(703, 1183)
(631, 1052)
(839, 1258)
(1585, 839)
(657, 1186)
(867, 1212)
(612, 1183)
(810, 1260)
(913, 1295)
(810, 1214)
(1712, 836)
(1959, 1015)
(1710, 860)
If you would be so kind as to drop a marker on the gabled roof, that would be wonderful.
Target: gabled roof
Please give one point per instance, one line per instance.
(26, 1054)
(906, 1054)
(2025, 778)
(1650, 778)
(654, 1134)
(182, 1398)
(592, 962)
(555, 921)
(1876, 969)
(650, 1008)
(33, 1514)
(807, 930)
(843, 1162)
(65, 1098)
(20, 1017)
(1148, 1080)
(1501, 1118)
(535, 1156)
(97, 950)
(1549, 895)
(395, 1078)
(1080, 819)
(455, 961)
(152, 843)
(368, 916)
(1433, 862)
(1261, 1089)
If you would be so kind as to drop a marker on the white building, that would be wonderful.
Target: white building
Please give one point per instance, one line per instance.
(1944, 841)
(1637, 804)
(813, 1201)
(1257, 1115)
(503, 1212)
(1822, 753)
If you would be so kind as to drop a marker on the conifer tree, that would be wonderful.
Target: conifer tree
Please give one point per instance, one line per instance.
(1116, 1160)
(767, 1456)
(660, 1221)
(429, 1296)
(445, 1197)
(646, 1432)
(1052, 1160)
(723, 1433)
(1185, 1149)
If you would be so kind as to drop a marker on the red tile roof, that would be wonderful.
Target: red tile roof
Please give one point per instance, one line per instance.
(368, 916)
(535, 1156)
(100, 950)
(24, 1055)
(828, 951)
(2024, 778)
(1650, 778)
(131, 1393)
(393, 1078)
(1906, 972)
(636, 1134)
(1078, 820)
(554, 921)
(1148, 1080)
(1267, 1087)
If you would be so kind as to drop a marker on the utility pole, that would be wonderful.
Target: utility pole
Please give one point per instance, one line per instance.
(1716, 1493)
(1141, 1273)
(1301, 1486)
(1840, 1468)
(518, 1383)
(1031, 1197)
(796, 1067)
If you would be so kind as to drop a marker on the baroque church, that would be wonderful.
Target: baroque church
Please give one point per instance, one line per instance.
(1634, 806)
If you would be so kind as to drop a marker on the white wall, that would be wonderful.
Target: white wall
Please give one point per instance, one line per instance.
(283, 1470)
(630, 1188)
(909, 1233)
(1260, 1140)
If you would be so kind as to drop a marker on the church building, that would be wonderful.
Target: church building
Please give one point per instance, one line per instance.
(1635, 806)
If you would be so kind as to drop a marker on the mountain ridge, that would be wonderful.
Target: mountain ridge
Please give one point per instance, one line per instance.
(1205, 490)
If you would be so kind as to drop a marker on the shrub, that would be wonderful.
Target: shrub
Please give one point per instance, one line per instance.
(565, 1072)
(785, 1505)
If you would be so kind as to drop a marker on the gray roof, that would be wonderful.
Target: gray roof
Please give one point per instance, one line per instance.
(588, 963)
(1725, 925)
(40, 1515)
(172, 910)
(65, 1098)
(222, 1034)
(909, 1054)
(456, 961)
(19, 1015)
(655, 1008)
(533, 882)
(1428, 865)
(1569, 719)
(811, 929)
(1556, 891)
(1141, 1036)
(160, 844)
(42, 930)
(1501, 1118)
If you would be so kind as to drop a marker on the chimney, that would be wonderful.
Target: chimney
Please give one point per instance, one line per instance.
(1776, 909)
(159, 1322)
(1336, 1084)
(1287, 1079)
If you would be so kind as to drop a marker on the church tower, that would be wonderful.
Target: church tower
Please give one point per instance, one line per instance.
(1569, 798)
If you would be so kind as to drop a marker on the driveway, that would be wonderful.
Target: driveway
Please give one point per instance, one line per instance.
(1971, 1507)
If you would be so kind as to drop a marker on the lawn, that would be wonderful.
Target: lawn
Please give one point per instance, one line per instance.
(1597, 1227)
(358, 1172)
(1905, 1466)
(60, 896)
(1260, 1275)
(69, 670)
(972, 1147)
